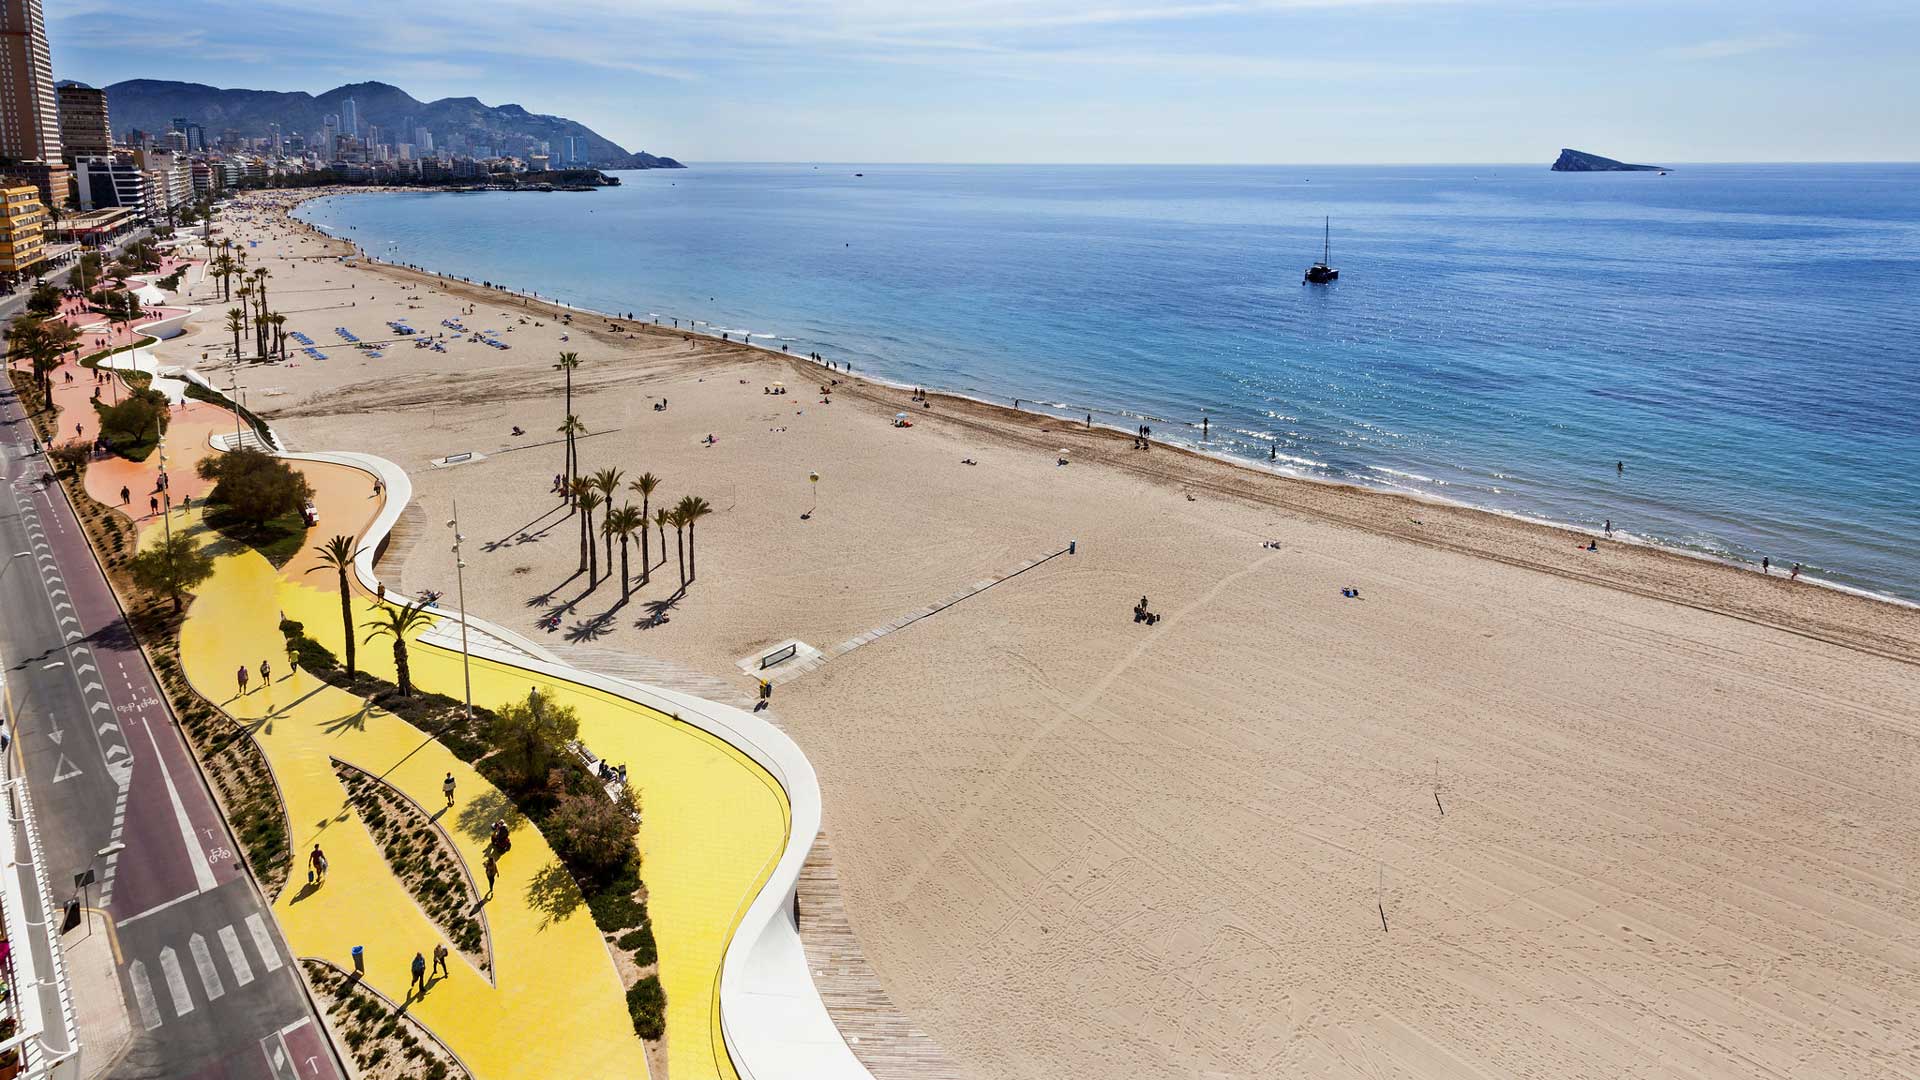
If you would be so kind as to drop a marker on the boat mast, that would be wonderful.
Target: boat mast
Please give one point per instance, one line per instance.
(1326, 253)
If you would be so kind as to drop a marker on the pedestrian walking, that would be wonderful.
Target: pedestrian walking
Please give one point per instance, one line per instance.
(419, 974)
(266, 673)
(447, 786)
(153, 503)
(126, 496)
(317, 865)
(1795, 576)
(1766, 565)
(243, 678)
(493, 870)
(440, 959)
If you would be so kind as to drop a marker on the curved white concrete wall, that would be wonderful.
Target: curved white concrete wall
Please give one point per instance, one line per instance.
(771, 1015)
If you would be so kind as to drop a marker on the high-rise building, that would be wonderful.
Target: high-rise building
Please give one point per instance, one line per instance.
(84, 128)
(350, 117)
(274, 141)
(423, 139)
(29, 103)
(114, 180)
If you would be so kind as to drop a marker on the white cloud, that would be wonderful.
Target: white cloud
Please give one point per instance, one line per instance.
(1722, 48)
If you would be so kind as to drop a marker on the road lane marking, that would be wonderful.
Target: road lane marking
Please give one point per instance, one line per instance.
(176, 982)
(143, 995)
(236, 956)
(209, 975)
(263, 941)
(162, 906)
(202, 870)
(65, 770)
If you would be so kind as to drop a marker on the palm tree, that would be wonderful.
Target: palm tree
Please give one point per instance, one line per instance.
(645, 485)
(222, 268)
(622, 523)
(236, 322)
(575, 489)
(338, 553)
(569, 361)
(279, 324)
(569, 428)
(589, 500)
(692, 509)
(246, 303)
(398, 622)
(679, 522)
(607, 483)
(662, 518)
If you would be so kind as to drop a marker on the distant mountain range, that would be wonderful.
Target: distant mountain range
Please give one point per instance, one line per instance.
(461, 123)
(1581, 161)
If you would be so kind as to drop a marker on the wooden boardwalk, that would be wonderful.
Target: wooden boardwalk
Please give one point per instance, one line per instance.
(884, 1040)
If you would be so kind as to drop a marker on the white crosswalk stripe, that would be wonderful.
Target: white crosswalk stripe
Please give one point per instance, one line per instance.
(236, 956)
(143, 995)
(263, 941)
(176, 982)
(209, 975)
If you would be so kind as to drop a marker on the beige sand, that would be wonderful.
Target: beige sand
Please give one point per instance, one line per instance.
(1678, 832)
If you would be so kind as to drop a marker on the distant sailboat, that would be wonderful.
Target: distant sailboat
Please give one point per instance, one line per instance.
(1320, 273)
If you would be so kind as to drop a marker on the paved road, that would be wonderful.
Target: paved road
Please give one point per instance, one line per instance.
(207, 978)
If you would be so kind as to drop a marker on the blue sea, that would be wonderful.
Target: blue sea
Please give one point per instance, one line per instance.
(1745, 338)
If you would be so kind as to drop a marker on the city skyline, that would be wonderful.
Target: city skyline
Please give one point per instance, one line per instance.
(1226, 81)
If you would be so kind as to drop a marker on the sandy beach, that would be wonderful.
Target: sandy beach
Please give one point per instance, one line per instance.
(1517, 808)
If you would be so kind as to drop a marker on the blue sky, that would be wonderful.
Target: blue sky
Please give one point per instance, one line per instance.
(1096, 81)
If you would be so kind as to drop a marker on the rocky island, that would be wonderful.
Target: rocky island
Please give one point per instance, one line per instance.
(1581, 161)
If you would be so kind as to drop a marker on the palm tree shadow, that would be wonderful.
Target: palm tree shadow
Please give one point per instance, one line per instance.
(353, 721)
(476, 816)
(657, 611)
(591, 630)
(553, 894)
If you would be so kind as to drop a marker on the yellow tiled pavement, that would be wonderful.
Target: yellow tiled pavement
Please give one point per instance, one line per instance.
(714, 824)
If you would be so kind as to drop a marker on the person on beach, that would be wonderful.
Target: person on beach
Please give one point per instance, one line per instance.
(1795, 575)
(1609, 526)
(1766, 565)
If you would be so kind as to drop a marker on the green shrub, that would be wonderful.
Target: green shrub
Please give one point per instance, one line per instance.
(647, 1005)
(641, 944)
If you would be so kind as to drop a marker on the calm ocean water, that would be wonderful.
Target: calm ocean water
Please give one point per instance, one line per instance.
(1745, 338)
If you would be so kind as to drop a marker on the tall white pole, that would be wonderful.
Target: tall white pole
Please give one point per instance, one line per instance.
(460, 579)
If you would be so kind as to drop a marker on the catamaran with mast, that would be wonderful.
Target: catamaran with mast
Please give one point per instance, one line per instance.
(1320, 273)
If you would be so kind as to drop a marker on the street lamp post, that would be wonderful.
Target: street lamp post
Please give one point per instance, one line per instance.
(460, 580)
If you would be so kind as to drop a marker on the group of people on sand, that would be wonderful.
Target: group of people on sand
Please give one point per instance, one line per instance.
(1141, 436)
(1141, 613)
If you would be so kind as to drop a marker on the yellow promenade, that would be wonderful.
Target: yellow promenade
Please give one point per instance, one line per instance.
(713, 826)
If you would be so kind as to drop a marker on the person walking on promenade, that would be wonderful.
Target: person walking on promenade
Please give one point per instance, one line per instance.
(242, 676)
(266, 673)
(492, 868)
(125, 495)
(440, 959)
(317, 865)
(153, 503)
(447, 786)
(419, 974)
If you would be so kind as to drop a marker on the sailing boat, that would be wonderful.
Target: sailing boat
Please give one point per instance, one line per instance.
(1320, 273)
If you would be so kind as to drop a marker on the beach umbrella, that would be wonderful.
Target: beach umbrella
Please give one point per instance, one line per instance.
(813, 478)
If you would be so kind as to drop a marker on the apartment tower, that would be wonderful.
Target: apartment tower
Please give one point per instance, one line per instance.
(84, 128)
(29, 104)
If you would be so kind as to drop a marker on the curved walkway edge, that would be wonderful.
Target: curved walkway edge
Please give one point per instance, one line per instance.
(771, 1015)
